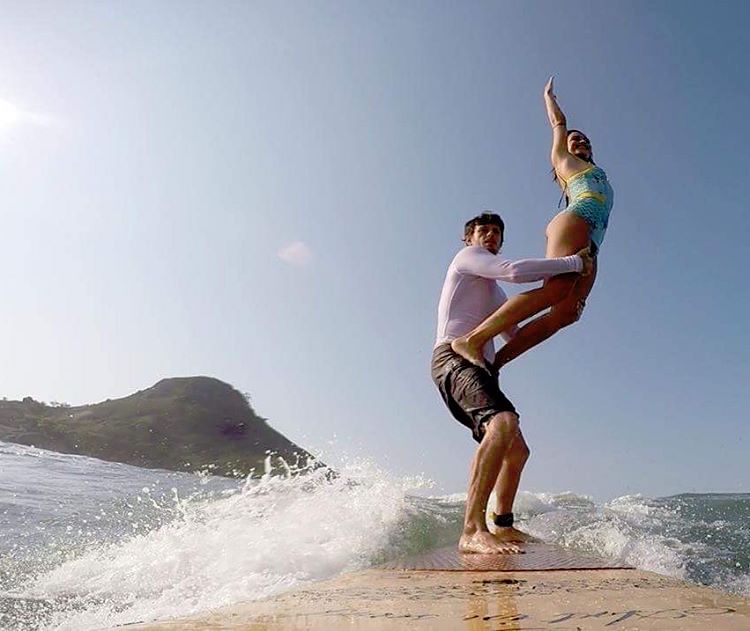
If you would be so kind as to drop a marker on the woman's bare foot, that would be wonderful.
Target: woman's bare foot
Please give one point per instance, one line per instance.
(462, 347)
(483, 542)
(514, 535)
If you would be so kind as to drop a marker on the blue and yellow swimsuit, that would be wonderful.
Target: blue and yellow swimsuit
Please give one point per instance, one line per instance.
(591, 198)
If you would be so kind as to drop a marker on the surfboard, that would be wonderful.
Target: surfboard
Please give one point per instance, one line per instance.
(548, 587)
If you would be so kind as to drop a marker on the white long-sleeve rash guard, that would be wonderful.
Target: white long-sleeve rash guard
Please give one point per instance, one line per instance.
(471, 293)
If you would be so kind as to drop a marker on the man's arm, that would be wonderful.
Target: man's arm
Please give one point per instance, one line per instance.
(481, 262)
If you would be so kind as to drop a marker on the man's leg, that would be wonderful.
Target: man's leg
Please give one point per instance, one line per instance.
(507, 487)
(500, 431)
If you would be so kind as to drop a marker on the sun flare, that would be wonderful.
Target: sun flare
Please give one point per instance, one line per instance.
(10, 115)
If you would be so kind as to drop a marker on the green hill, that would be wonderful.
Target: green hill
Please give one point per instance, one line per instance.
(182, 424)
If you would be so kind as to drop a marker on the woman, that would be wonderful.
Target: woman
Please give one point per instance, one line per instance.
(582, 223)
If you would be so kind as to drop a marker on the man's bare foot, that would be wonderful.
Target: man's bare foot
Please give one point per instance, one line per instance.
(483, 542)
(462, 347)
(514, 535)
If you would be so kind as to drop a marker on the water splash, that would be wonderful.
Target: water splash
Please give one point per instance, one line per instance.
(88, 544)
(262, 538)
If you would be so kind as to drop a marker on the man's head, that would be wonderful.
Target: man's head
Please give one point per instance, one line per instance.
(486, 230)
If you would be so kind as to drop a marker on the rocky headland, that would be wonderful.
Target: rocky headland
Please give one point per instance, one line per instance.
(181, 424)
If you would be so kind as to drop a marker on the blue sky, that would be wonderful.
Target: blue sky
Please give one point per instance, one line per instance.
(270, 193)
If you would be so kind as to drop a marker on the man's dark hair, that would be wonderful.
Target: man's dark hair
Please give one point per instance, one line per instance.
(482, 220)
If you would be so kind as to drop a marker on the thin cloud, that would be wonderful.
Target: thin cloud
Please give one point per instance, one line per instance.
(12, 116)
(296, 253)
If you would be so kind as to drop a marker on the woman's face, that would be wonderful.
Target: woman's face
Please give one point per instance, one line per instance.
(579, 145)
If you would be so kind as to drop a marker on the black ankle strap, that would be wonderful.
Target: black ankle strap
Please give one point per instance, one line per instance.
(503, 521)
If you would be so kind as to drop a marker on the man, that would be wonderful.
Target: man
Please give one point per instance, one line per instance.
(472, 394)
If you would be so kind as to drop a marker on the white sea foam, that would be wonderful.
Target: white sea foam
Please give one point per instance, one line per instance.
(628, 529)
(94, 544)
(268, 536)
(739, 585)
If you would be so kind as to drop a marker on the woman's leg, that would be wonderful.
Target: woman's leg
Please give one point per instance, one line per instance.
(566, 234)
(539, 329)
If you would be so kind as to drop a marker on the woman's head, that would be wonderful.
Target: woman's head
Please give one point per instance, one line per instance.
(579, 145)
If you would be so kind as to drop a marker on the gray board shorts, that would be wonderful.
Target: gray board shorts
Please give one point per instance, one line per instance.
(472, 394)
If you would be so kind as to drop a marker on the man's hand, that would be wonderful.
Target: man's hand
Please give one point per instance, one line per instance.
(588, 261)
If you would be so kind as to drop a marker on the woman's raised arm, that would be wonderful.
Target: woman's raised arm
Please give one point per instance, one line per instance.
(558, 123)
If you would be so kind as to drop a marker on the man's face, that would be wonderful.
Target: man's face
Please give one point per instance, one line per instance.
(487, 236)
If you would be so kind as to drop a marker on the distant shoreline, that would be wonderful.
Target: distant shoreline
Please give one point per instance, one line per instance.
(179, 424)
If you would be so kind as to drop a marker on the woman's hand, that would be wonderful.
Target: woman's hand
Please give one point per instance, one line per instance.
(556, 121)
(549, 89)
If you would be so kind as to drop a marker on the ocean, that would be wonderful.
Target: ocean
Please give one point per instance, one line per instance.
(87, 544)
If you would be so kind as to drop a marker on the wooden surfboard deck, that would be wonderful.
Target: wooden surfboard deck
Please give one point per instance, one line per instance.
(444, 590)
(537, 557)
